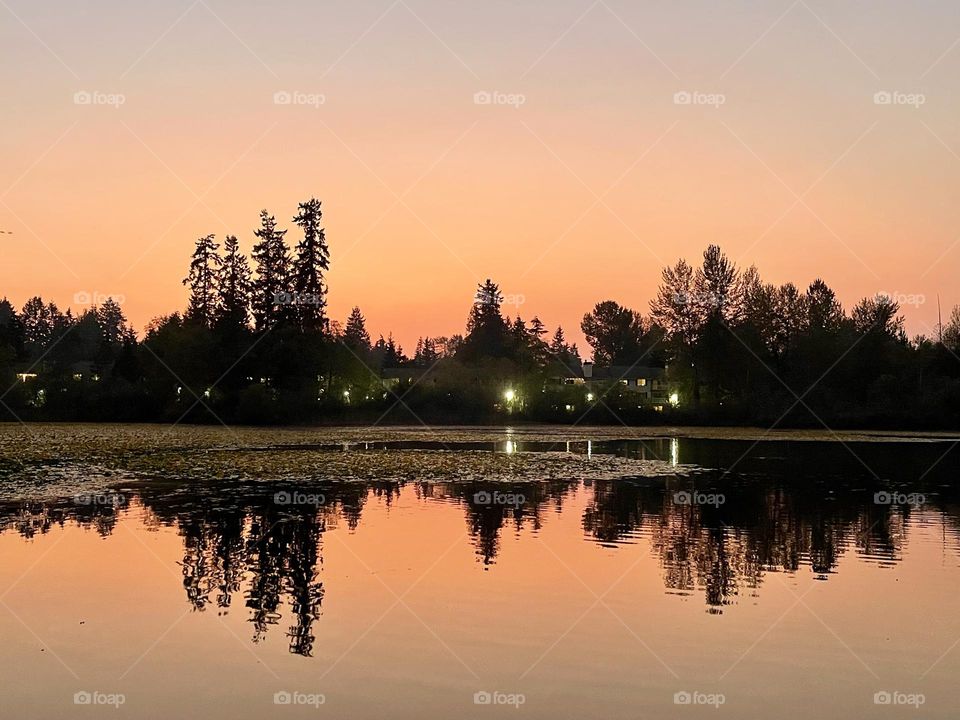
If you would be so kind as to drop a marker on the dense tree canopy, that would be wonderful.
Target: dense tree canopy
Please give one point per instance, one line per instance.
(254, 345)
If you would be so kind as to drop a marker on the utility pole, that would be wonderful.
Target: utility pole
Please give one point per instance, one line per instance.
(939, 321)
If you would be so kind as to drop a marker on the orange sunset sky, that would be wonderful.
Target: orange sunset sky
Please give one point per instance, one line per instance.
(820, 140)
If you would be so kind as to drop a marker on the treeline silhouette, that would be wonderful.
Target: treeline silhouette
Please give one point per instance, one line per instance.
(255, 345)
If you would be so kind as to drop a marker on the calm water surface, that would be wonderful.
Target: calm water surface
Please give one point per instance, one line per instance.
(558, 573)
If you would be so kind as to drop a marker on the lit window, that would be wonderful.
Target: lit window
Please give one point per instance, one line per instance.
(641, 382)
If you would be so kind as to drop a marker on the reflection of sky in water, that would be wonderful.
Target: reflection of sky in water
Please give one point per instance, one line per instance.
(493, 572)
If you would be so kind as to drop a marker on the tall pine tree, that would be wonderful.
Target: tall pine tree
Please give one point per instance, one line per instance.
(564, 355)
(233, 285)
(37, 323)
(202, 280)
(271, 292)
(355, 335)
(114, 329)
(311, 262)
(487, 331)
(538, 346)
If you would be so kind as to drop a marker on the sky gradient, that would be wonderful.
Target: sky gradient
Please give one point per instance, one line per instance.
(581, 193)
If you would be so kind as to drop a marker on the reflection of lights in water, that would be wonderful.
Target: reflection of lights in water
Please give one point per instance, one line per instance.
(589, 448)
(511, 447)
(674, 451)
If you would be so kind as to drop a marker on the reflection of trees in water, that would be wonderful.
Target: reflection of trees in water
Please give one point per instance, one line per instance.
(490, 507)
(693, 555)
(236, 539)
(31, 519)
(950, 523)
(725, 549)
(283, 557)
(212, 555)
(35, 518)
(238, 542)
(277, 548)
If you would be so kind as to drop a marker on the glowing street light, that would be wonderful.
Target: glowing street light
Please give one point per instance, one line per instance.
(509, 395)
(589, 397)
(674, 399)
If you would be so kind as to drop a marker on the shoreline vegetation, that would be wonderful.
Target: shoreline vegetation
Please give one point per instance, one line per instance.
(255, 346)
(356, 434)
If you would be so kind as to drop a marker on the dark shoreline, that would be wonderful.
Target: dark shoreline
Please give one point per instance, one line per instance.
(532, 429)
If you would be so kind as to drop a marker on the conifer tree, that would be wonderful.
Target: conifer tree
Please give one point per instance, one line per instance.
(355, 335)
(37, 322)
(487, 331)
(560, 352)
(538, 346)
(233, 285)
(202, 280)
(311, 262)
(271, 290)
(114, 329)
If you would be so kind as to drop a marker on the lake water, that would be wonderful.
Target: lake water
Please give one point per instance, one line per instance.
(151, 572)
